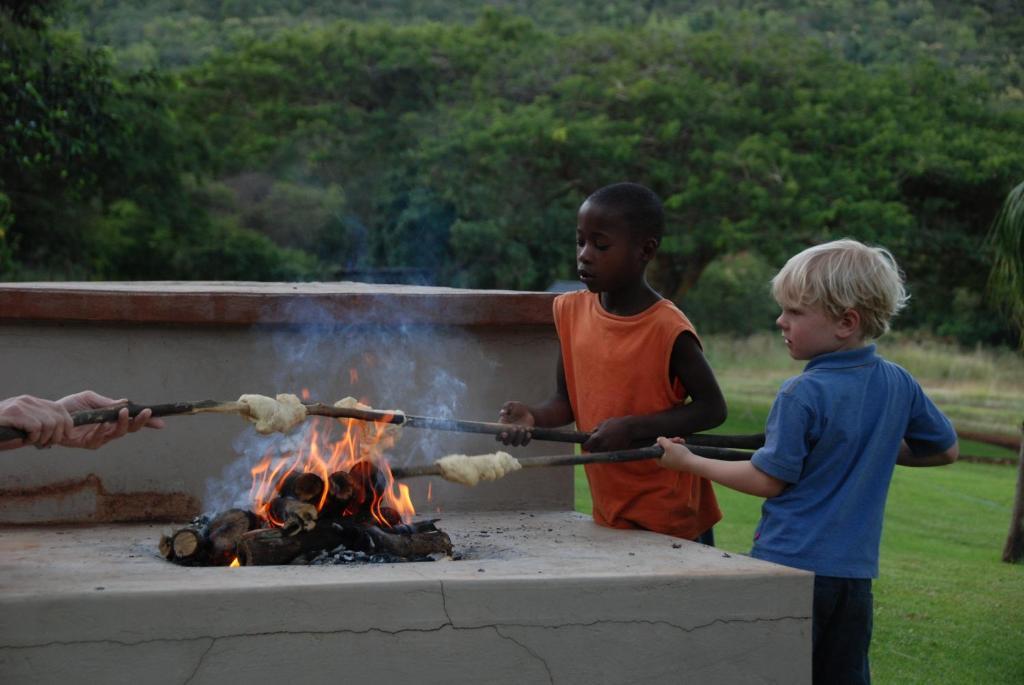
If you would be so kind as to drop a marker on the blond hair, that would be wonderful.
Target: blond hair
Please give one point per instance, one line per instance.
(844, 274)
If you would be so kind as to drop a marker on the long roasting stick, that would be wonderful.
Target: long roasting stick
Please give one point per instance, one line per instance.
(652, 452)
(548, 434)
(87, 416)
(317, 409)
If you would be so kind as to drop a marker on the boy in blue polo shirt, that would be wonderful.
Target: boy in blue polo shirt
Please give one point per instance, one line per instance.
(833, 438)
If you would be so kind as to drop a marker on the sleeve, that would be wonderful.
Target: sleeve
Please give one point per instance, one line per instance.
(929, 431)
(786, 443)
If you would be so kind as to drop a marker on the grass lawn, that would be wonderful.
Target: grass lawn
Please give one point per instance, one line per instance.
(947, 610)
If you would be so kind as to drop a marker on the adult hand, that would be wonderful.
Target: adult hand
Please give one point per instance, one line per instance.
(611, 434)
(46, 423)
(520, 420)
(91, 436)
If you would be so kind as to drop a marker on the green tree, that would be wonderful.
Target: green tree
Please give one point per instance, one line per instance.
(95, 169)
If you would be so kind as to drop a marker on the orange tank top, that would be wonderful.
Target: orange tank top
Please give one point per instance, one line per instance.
(619, 366)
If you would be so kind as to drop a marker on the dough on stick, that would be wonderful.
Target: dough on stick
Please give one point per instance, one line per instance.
(373, 432)
(460, 468)
(272, 415)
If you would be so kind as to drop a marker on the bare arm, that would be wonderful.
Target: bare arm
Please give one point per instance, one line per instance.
(706, 409)
(738, 475)
(908, 458)
(551, 413)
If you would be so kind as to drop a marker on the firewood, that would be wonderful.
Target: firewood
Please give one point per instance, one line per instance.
(271, 546)
(412, 545)
(224, 532)
(367, 481)
(189, 546)
(293, 515)
(340, 488)
(305, 487)
(166, 550)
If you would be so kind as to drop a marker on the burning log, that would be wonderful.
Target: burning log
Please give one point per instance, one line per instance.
(305, 487)
(293, 515)
(271, 546)
(340, 489)
(212, 544)
(224, 532)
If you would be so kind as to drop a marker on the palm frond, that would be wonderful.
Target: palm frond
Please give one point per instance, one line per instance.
(1006, 240)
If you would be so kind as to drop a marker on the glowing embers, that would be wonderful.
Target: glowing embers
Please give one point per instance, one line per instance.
(334, 500)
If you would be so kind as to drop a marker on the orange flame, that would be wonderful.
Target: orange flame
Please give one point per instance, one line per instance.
(324, 454)
(235, 563)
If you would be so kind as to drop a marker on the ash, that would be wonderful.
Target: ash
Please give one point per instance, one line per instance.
(342, 555)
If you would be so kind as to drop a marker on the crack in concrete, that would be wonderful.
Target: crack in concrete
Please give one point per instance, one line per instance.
(538, 657)
(447, 624)
(199, 663)
(444, 604)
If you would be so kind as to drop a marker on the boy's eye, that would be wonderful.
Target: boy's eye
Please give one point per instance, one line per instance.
(602, 246)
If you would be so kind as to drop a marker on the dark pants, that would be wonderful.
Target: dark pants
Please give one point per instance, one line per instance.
(707, 537)
(841, 632)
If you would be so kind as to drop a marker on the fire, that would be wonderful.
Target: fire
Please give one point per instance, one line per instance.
(358, 450)
(235, 563)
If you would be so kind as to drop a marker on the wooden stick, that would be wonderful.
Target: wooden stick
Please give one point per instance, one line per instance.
(109, 414)
(489, 428)
(652, 452)
(319, 409)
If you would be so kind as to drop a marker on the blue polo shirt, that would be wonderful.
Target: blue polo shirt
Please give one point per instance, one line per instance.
(834, 434)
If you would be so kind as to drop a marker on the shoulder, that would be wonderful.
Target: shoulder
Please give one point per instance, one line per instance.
(805, 390)
(569, 307)
(568, 300)
(673, 320)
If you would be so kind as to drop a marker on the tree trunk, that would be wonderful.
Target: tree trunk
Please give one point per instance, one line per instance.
(1013, 552)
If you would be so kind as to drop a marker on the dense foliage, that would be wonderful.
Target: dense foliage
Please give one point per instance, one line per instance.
(274, 144)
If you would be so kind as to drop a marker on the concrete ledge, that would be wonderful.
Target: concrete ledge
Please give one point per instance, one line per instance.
(244, 303)
(541, 597)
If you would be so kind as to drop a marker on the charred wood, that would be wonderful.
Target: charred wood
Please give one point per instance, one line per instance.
(305, 487)
(411, 545)
(224, 532)
(292, 515)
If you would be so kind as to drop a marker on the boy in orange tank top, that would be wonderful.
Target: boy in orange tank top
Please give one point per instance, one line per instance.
(628, 361)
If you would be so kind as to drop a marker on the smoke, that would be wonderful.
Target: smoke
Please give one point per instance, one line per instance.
(391, 365)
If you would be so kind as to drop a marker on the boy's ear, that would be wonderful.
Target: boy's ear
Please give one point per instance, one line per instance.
(848, 323)
(649, 247)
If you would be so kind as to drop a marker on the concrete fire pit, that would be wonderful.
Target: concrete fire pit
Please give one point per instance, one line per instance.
(540, 595)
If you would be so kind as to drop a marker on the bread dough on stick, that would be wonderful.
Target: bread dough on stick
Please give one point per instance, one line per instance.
(272, 415)
(460, 468)
(372, 432)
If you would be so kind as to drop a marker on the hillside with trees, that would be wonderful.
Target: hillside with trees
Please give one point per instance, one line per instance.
(452, 144)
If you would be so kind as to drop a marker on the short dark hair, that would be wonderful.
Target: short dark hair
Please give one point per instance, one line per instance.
(638, 205)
